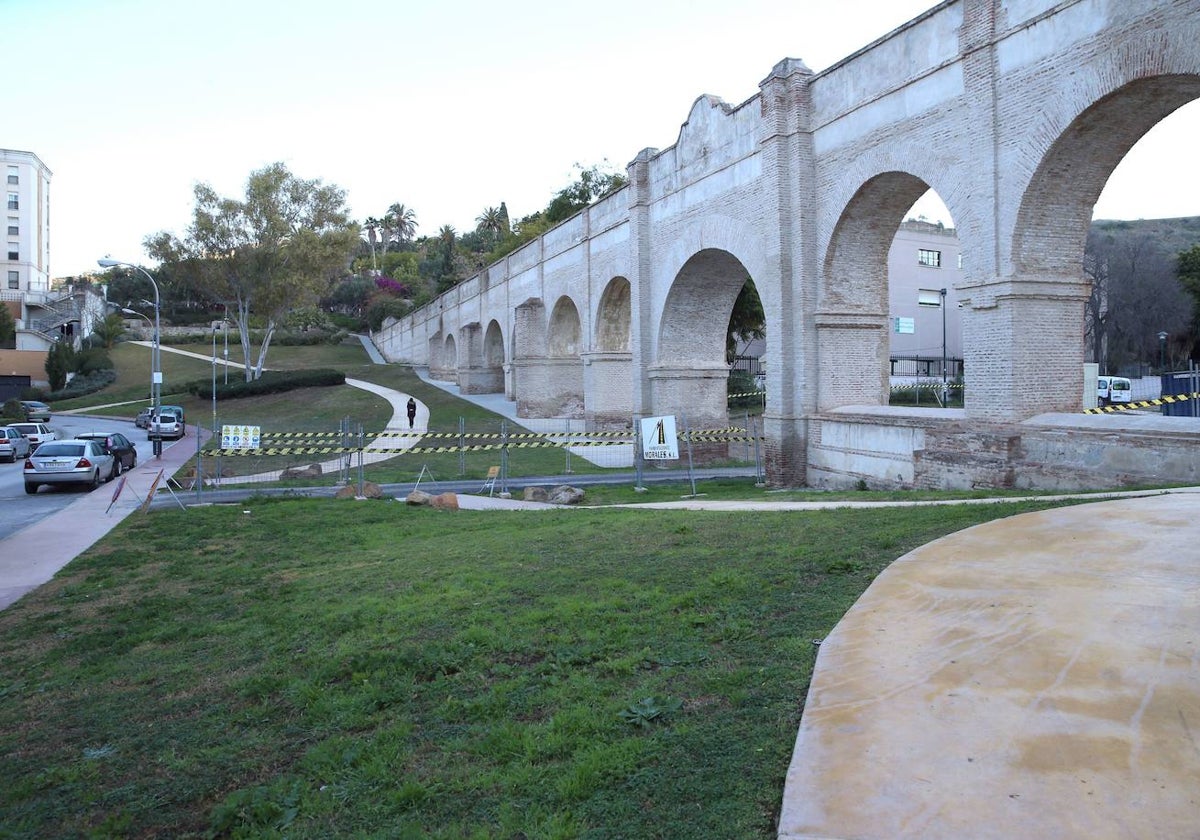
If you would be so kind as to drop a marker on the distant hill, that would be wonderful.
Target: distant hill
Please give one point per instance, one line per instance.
(1175, 234)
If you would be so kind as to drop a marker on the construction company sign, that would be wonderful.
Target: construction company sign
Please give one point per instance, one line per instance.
(659, 442)
(241, 437)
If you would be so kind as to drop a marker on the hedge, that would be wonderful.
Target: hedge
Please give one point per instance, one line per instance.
(271, 382)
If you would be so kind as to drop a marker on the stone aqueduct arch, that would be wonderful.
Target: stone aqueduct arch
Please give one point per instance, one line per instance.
(1015, 111)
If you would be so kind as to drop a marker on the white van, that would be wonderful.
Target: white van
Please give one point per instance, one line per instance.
(1114, 389)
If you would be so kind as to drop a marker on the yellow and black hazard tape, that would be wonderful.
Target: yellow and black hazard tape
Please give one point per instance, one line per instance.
(1167, 400)
(413, 450)
(928, 385)
(748, 394)
(450, 435)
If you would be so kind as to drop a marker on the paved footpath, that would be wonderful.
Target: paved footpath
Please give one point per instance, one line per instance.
(1031, 677)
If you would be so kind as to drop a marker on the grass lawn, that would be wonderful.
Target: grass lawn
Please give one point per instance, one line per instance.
(315, 669)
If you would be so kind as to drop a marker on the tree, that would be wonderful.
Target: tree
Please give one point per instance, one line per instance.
(8, 329)
(372, 226)
(110, 329)
(60, 360)
(1136, 294)
(746, 322)
(274, 250)
(592, 183)
(490, 222)
(1188, 271)
(403, 222)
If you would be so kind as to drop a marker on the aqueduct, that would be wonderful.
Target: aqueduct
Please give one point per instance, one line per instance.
(1015, 111)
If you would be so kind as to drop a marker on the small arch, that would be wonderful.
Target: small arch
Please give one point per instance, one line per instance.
(564, 333)
(613, 317)
(493, 346)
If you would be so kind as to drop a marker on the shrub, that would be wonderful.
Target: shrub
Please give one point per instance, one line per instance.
(92, 360)
(84, 384)
(13, 411)
(271, 382)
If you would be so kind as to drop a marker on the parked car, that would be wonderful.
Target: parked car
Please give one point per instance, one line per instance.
(177, 410)
(35, 433)
(81, 462)
(142, 421)
(35, 411)
(13, 445)
(165, 425)
(117, 445)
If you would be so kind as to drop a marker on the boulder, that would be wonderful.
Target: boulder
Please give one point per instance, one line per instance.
(445, 501)
(565, 494)
(370, 490)
(311, 471)
(536, 494)
(418, 497)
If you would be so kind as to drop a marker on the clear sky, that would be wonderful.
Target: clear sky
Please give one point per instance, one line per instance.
(447, 107)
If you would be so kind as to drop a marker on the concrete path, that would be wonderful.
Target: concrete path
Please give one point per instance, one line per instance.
(1032, 677)
(33, 555)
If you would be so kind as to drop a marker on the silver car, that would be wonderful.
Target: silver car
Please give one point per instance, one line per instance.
(82, 462)
(13, 444)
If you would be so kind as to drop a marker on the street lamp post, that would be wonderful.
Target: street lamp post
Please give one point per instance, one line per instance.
(945, 376)
(155, 361)
(214, 378)
(1162, 352)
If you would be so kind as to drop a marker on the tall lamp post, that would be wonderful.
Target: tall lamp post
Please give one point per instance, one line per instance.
(155, 361)
(1162, 352)
(214, 378)
(945, 376)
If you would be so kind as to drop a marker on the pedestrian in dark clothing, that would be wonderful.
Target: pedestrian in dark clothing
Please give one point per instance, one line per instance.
(412, 411)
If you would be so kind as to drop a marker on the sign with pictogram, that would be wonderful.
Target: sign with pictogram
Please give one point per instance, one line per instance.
(659, 441)
(241, 437)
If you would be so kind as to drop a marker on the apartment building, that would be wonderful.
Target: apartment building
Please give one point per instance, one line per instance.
(26, 263)
(924, 264)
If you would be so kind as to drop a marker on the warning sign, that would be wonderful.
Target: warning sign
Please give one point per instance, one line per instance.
(241, 437)
(659, 442)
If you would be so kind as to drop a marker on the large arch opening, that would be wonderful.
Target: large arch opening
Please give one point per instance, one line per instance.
(1114, 288)
(888, 319)
(691, 374)
(450, 359)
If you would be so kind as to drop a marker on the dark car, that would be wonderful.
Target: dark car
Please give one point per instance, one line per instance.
(115, 444)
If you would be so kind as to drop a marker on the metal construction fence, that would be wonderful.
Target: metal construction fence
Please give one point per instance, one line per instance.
(484, 451)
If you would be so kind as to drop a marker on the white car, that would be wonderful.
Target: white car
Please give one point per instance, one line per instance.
(80, 462)
(35, 433)
(165, 425)
(13, 445)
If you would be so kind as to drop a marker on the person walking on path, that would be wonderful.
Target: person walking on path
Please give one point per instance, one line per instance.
(412, 411)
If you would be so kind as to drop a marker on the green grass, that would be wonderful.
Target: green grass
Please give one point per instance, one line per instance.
(314, 669)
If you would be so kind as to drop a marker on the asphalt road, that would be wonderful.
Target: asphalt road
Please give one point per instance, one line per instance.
(18, 509)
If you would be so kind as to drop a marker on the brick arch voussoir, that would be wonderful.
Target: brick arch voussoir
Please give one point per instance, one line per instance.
(1061, 168)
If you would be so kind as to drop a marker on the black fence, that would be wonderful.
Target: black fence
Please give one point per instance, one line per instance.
(930, 366)
(1181, 383)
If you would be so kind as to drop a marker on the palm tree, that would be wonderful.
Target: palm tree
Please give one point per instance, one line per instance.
(403, 222)
(491, 222)
(372, 225)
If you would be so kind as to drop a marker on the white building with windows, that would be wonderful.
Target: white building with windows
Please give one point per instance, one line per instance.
(26, 263)
(924, 265)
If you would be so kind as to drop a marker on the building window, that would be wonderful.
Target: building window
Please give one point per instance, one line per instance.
(14, 251)
(14, 279)
(933, 259)
(13, 174)
(929, 297)
(960, 262)
(14, 201)
(14, 227)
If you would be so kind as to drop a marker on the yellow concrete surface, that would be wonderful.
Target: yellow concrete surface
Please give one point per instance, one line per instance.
(1032, 677)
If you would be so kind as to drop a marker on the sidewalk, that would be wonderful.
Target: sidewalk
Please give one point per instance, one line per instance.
(33, 555)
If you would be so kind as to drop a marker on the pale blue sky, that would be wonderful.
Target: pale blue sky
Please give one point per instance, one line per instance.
(447, 107)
